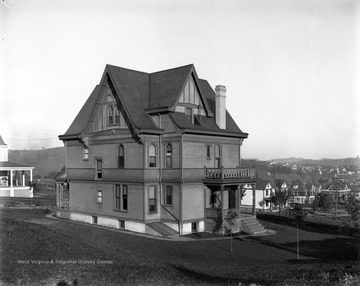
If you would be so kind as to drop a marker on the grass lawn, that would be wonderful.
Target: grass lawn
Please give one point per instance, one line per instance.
(36, 250)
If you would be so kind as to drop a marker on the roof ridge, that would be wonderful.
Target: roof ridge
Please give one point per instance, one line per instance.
(171, 69)
(109, 65)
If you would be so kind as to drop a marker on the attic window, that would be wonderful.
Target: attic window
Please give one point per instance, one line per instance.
(110, 115)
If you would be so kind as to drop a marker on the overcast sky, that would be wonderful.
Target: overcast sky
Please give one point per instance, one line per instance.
(291, 68)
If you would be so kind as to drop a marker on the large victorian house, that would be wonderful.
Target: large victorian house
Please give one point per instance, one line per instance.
(156, 153)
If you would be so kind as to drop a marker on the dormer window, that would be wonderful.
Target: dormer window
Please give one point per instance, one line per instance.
(117, 116)
(110, 115)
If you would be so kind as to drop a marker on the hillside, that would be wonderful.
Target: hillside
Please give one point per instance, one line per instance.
(45, 161)
(341, 163)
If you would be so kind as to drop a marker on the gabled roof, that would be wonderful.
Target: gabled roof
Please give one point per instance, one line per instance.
(2, 141)
(166, 86)
(262, 184)
(81, 120)
(142, 93)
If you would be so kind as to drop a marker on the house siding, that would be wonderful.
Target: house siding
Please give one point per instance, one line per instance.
(83, 200)
(193, 202)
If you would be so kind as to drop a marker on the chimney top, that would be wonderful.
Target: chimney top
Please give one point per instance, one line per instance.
(220, 90)
(220, 106)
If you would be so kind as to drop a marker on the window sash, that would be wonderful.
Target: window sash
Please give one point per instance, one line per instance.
(85, 153)
(99, 198)
(208, 152)
(152, 199)
(121, 197)
(99, 169)
(168, 195)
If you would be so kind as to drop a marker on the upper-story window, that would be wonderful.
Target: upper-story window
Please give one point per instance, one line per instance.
(152, 155)
(208, 152)
(99, 169)
(168, 156)
(85, 153)
(110, 115)
(121, 157)
(117, 115)
(217, 156)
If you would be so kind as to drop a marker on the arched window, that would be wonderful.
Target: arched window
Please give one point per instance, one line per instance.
(168, 156)
(117, 116)
(110, 115)
(121, 157)
(217, 156)
(152, 155)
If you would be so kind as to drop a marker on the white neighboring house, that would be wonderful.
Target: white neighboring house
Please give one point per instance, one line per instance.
(15, 179)
(338, 189)
(263, 193)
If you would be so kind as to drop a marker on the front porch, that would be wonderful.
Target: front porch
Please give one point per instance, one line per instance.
(15, 180)
(224, 190)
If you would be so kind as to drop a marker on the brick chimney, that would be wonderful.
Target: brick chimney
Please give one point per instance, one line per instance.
(220, 104)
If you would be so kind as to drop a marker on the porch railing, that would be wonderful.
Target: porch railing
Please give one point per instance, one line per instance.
(229, 173)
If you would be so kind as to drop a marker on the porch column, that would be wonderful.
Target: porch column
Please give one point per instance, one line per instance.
(238, 198)
(222, 209)
(254, 199)
(23, 179)
(31, 188)
(11, 184)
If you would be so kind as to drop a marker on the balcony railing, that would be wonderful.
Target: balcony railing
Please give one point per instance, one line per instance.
(229, 173)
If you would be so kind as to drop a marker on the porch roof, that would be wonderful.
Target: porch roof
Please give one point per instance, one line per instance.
(13, 166)
(229, 182)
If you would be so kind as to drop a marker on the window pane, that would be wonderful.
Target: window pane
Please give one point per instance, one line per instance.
(152, 150)
(151, 192)
(152, 199)
(168, 161)
(217, 151)
(168, 195)
(110, 115)
(121, 150)
(152, 162)
(124, 198)
(208, 152)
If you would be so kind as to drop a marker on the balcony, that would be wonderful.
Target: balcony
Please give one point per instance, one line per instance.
(230, 175)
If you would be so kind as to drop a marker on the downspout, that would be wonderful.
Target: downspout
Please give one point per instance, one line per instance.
(160, 161)
(181, 185)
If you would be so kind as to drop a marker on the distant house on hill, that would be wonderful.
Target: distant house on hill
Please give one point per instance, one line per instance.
(15, 179)
(338, 188)
(264, 190)
(155, 153)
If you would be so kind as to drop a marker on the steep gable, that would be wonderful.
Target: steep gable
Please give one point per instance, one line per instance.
(132, 89)
(81, 121)
(138, 97)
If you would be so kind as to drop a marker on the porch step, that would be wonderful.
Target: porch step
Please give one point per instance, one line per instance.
(162, 229)
(251, 225)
